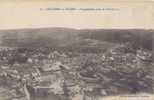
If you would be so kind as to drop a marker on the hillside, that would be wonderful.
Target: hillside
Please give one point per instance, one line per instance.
(72, 38)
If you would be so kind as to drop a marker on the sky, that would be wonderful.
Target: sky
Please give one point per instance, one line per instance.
(16, 15)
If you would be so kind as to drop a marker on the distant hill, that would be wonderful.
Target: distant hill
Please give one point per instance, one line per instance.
(73, 38)
(37, 37)
(138, 38)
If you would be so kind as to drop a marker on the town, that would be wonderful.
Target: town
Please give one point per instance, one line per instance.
(28, 74)
(71, 64)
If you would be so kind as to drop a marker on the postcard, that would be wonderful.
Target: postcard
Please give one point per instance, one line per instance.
(76, 50)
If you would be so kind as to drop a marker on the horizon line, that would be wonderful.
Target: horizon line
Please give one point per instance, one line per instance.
(76, 28)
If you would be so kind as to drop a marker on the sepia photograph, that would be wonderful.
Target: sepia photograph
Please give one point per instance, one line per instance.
(76, 50)
(73, 64)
